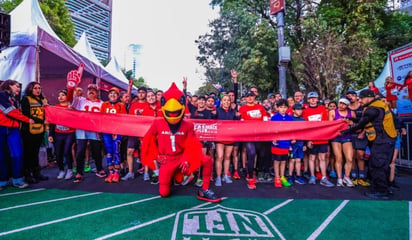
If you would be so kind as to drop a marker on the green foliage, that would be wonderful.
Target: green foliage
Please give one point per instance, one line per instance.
(57, 15)
(335, 44)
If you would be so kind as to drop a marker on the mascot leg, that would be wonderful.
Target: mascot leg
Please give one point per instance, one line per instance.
(206, 194)
(165, 179)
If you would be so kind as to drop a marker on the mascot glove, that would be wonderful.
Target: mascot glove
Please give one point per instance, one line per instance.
(184, 166)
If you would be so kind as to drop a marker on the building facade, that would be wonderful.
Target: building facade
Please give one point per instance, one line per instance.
(95, 18)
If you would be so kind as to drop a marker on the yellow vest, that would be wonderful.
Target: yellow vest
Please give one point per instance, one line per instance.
(388, 122)
(37, 111)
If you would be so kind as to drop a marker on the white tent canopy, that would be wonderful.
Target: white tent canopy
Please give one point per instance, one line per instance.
(35, 51)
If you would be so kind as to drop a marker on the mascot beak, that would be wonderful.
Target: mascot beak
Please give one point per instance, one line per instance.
(173, 105)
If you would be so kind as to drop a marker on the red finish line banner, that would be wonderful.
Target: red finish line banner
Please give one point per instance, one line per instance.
(210, 130)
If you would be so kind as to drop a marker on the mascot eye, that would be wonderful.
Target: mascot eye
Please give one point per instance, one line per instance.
(182, 100)
(162, 101)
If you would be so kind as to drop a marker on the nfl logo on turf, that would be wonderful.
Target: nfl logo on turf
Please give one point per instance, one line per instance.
(219, 222)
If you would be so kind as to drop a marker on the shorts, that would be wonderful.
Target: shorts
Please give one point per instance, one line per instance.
(359, 144)
(280, 158)
(208, 145)
(398, 142)
(237, 144)
(341, 140)
(318, 148)
(133, 142)
(297, 152)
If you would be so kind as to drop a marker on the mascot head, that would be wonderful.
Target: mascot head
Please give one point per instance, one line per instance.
(173, 105)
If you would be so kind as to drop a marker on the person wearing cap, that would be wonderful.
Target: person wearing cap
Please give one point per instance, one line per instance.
(342, 144)
(91, 103)
(317, 148)
(378, 121)
(252, 111)
(63, 139)
(112, 141)
(298, 148)
(133, 143)
(359, 143)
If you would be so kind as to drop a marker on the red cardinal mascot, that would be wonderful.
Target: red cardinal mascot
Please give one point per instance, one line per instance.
(172, 143)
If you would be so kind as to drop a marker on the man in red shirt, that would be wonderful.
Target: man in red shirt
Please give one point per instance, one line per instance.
(319, 148)
(133, 142)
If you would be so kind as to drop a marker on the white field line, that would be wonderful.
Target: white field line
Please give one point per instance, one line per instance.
(15, 193)
(267, 212)
(410, 220)
(76, 216)
(146, 223)
(329, 219)
(48, 201)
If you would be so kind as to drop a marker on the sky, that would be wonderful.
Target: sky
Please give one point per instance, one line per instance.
(167, 31)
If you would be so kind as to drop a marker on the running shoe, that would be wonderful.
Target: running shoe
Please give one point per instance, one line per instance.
(146, 177)
(355, 181)
(101, 174)
(69, 174)
(109, 178)
(218, 182)
(326, 183)
(318, 175)
(278, 183)
(290, 180)
(261, 177)
(61, 175)
(348, 182)
(339, 182)
(128, 176)
(187, 179)
(116, 177)
(254, 179)
(228, 173)
(332, 174)
(21, 185)
(312, 180)
(268, 178)
(251, 184)
(227, 179)
(363, 182)
(300, 180)
(155, 179)
(199, 182)
(78, 178)
(87, 168)
(140, 171)
(74, 169)
(208, 195)
(285, 182)
(236, 175)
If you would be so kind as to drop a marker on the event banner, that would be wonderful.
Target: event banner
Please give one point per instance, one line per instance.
(401, 64)
(207, 130)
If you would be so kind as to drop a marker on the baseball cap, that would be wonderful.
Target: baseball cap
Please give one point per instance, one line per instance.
(142, 89)
(344, 101)
(366, 93)
(351, 92)
(92, 86)
(297, 106)
(250, 93)
(270, 95)
(313, 95)
(115, 89)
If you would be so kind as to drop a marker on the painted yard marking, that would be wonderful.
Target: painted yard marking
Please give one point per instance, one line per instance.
(15, 193)
(329, 219)
(76, 216)
(49, 201)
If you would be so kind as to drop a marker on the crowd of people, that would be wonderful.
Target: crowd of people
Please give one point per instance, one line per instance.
(340, 161)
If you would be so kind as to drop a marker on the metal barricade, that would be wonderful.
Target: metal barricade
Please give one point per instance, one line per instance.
(405, 153)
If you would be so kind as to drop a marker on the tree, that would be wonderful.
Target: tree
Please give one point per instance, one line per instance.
(57, 15)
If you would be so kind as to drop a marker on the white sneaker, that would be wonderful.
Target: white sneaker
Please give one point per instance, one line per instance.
(61, 175)
(227, 179)
(128, 176)
(348, 182)
(69, 174)
(339, 183)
